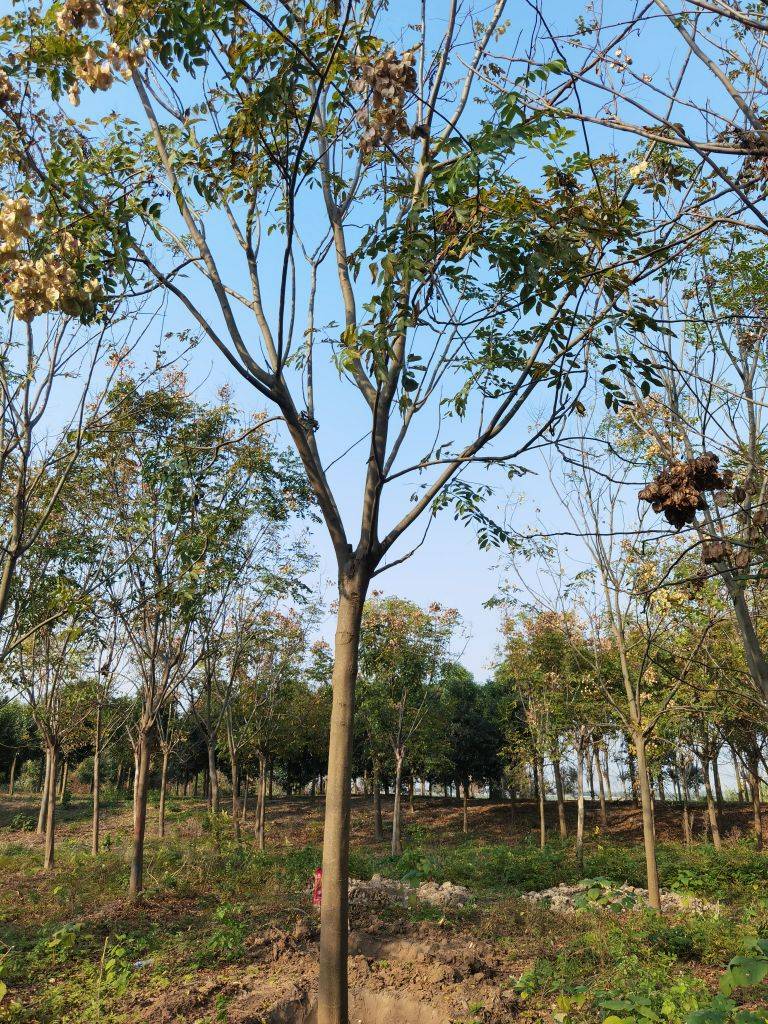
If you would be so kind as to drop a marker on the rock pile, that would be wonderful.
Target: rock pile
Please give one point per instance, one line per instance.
(388, 892)
(588, 893)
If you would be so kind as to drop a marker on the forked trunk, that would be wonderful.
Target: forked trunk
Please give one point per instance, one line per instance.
(649, 831)
(163, 788)
(50, 810)
(560, 792)
(141, 789)
(378, 824)
(96, 784)
(333, 986)
(397, 843)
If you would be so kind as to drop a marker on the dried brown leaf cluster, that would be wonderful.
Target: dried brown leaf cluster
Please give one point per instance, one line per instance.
(678, 491)
(386, 82)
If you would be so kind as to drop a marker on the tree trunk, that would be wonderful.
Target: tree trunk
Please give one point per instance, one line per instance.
(262, 799)
(714, 824)
(50, 812)
(64, 778)
(12, 773)
(580, 807)
(539, 770)
(649, 831)
(333, 987)
(96, 784)
(560, 799)
(213, 778)
(464, 808)
(718, 784)
(163, 787)
(141, 788)
(512, 807)
(244, 810)
(737, 773)
(378, 825)
(411, 807)
(397, 843)
(271, 779)
(591, 774)
(600, 787)
(757, 816)
(607, 774)
(234, 778)
(44, 794)
(685, 794)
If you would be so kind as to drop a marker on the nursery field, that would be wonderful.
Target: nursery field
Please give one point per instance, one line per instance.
(225, 933)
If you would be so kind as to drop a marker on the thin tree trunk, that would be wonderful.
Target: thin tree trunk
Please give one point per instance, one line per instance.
(580, 807)
(539, 770)
(737, 773)
(662, 790)
(411, 807)
(607, 774)
(757, 816)
(600, 787)
(64, 778)
(714, 824)
(465, 808)
(96, 784)
(560, 799)
(50, 813)
(271, 779)
(378, 824)
(262, 799)
(685, 794)
(44, 794)
(333, 985)
(163, 787)
(649, 831)
(141, 789)
(718, 783)
(397, 843)
(12, 773)
(244, 810)
(591, 774)
(234, 778)
(512, 807)
(213, 778)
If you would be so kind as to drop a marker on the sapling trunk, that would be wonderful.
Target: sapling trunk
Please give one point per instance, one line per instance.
(607, 774)
(718, 784)
(757, 816)
(465, 805)
(262, 799)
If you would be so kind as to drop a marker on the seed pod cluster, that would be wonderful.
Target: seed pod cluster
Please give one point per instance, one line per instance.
(678, 491)
(385, 82)
(45, 283)
(99, 72)
(8, 93)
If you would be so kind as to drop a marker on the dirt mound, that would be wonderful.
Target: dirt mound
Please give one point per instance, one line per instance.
(387, 892)
(602, 893)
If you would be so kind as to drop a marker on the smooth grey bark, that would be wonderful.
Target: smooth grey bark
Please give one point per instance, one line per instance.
(163, 788)
(44, 794)
(397, 842)
(600, 787)
(213, 778)
(50, 811)
(649, 829)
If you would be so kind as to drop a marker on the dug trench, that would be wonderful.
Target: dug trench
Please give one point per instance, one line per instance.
(400, 972)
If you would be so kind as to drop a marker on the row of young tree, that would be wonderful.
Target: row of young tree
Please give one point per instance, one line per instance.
(435, 227)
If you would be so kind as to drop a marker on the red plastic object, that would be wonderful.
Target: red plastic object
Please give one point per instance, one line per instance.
(317, 888)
